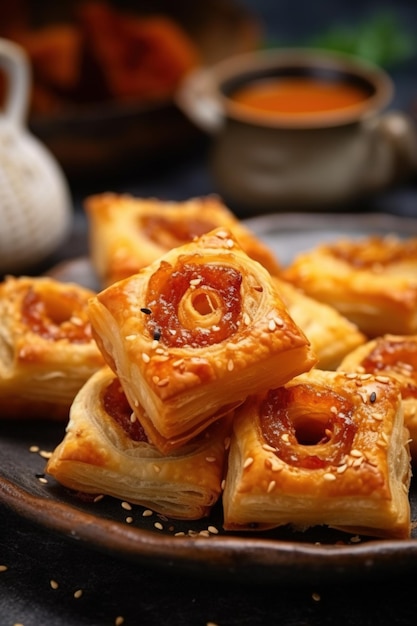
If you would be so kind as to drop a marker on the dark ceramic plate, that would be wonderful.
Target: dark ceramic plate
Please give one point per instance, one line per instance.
(282, 555)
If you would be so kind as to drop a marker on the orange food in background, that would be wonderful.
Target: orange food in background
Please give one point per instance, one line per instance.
(105, 54)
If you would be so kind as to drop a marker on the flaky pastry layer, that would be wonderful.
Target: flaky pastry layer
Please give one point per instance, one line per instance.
(100, 454)
(394, 356)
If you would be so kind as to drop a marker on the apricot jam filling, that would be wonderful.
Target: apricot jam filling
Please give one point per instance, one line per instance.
(117, 407)
(394, 357)
(308, 428)
(56, 316)
(171, 233)
(194, 304)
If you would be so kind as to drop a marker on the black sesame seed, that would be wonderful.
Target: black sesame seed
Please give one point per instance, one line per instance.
(146, 310)
(157, 335)
(372, 397)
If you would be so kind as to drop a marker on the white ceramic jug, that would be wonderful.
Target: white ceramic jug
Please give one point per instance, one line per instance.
(35, 203)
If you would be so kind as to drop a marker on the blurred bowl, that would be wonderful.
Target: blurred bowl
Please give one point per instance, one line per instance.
(270, 160)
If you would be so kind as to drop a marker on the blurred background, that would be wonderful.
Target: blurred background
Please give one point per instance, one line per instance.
(105, 75)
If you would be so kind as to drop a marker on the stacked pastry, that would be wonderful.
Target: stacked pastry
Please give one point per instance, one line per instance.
(210, 380)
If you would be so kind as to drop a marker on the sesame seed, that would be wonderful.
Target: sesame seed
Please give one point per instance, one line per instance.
(351, 375)
(268, 448)
(119, 620)
(272, 325)
(248, 462)
(230, 243)
(54, 584)
(382, 379)
(156, 468)
(133, 418)
(230, 365)
(3, 568)
(246, 319)
(285, 437)
(356, 453)
(98, 498)
(341, 468)
(271, 486)
(158, 526)
(157, 335)
(204, 533)
(178, 362)
(34, 449)
(329, 476)
(163, 382)
(223, 484)
(129, 520)
(130, 337)
(355, 539)
(210, 459)
(365, 376)
(127, 506)
(146, 310)
(42, 480)
(213, 530)
(147, 513)
(195, 281)
(372, 397)
(145, 357)
(45, 454)
(78, 593)
(316, 597)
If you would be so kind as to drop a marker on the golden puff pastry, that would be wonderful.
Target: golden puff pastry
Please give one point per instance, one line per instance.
(371, 281)
(46, 347)
(191, 335)
(394, 356)
(332, 335)
(321, 450)
(105, 452)
(128, 233)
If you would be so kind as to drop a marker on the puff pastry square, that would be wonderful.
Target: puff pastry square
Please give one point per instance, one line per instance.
(332, 335)
(191, 335)
(105, 452)
(394, 356)
(47, 351)
(128, 233)
(371, 281)
(325, 449)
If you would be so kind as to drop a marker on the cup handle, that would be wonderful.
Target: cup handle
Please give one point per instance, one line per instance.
(393, 155)
(15, 65)
(196, 98)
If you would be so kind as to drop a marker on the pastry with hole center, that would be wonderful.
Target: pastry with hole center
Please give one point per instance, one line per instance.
(191, 335)
(127, 233)
(47, 351)
(321, 450)
(371, 281)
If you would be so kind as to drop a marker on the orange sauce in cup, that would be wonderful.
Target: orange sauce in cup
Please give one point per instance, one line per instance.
(298, 95)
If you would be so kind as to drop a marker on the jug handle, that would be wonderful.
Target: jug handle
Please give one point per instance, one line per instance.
(197, 100)
(15, 65)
